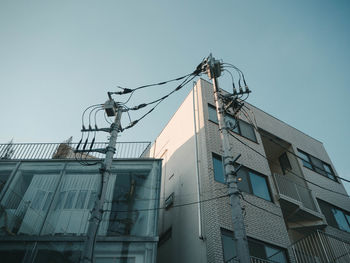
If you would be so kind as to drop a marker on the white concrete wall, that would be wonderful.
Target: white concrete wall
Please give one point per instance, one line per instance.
(176, 146)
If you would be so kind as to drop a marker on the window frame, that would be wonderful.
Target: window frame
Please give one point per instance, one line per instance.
(230, 234)
(327, 211)
(238, 127)
(310, 164)
(247, 174)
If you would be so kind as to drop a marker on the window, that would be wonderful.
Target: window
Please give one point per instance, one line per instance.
(165, 236)
(218, 169)
(335, 217)
(316, 165)
(252, 182)
(38, 200)
(228, 245)
(265, 251)
(81, 199)
(257, 249)
(70, 200)
(284, 163)
(237, 126)
(169, 201)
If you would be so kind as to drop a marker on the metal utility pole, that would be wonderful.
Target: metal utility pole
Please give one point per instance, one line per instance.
(112, 109)
(214, 71)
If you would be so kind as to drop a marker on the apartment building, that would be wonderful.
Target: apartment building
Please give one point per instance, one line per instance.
(46, 198)
(296, 208)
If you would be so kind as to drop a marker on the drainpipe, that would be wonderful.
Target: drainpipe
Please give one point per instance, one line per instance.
(200, 234)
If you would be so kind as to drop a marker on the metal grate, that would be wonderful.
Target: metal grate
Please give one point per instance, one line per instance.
(25, 151)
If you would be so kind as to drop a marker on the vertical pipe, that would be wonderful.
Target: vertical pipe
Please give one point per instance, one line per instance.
(197, 163)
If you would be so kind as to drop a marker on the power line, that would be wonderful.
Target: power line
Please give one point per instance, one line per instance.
(160, 208)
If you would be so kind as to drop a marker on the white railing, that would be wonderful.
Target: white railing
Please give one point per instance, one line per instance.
(321, 248)
(295, 191)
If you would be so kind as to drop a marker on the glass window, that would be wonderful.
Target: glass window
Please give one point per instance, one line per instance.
(329, 171)
(247, 130)
(60, 199)
(92, 200)
(341, 219)
(38, 200)
(81, 199)
(218, 168)
(212, 114)
(243, 181)
(232, 123)
(48, 201)
(335, 217)
(70, 200)
(265, 251)
(316, 165)
(228, 245)
(284, 163)
(259, 186)
(305, 159)
(241, 127)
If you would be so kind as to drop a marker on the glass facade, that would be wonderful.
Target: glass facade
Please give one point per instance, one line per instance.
(55, 198)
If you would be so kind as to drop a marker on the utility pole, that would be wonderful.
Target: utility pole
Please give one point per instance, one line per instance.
(214, 71)
(112, 109)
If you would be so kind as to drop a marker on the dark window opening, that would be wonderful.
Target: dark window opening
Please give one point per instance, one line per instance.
(250, 181)
(237, 126)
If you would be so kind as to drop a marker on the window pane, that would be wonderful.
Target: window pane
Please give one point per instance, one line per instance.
(70, 200)
(341, 220)
(256, 249)
(243, 183)
(329, 171)
(212, 114)
(92, 200)
(228, 245)
(305, 159)
(81, 199)
(259, 186)
(231, 123)
(38, 200)
(218, 169)
(59, 201)
(48, 201)
(327, 212)
(247, 130)
(318, 165)
(274, 254)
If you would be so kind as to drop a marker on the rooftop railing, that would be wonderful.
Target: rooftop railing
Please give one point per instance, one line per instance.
(26, 151)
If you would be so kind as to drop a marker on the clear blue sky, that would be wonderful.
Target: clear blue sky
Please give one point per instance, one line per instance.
(58, 57)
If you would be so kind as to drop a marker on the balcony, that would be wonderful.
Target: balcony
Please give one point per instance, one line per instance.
(321, 248)
(297, 201)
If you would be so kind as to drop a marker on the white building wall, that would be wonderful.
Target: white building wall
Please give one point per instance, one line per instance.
(176, 146)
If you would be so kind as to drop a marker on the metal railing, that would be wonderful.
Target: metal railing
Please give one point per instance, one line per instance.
(295, 191)
(321, 248)
(259, 260)
(21, 151)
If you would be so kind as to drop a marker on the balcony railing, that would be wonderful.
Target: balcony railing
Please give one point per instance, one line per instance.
(20, 151)
(321, 248)
(297, 192)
